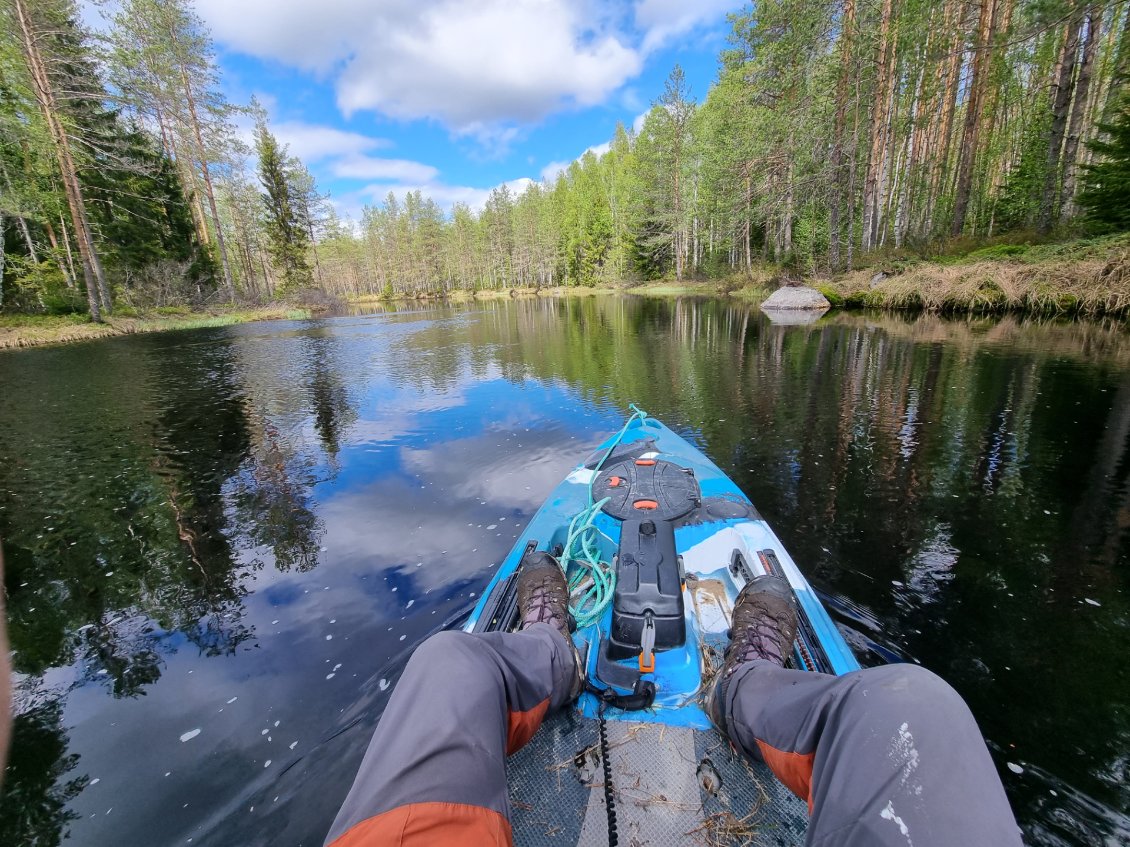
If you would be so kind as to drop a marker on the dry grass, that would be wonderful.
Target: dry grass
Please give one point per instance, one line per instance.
(1092, 279)
(1103, 340)
(35, 330)
(725, 829)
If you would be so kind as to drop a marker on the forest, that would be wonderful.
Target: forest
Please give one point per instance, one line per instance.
(833, 130)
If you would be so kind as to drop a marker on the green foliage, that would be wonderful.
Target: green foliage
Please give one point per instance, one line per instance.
(39, 288)
(997, 251)
(287, 234)
(1106, 192)
(826, 120)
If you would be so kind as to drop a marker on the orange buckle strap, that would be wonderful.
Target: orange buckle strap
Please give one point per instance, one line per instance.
(647, 642)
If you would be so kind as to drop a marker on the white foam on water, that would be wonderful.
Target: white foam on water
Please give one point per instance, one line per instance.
(1015, 768)
(188, 736)
(383, 684)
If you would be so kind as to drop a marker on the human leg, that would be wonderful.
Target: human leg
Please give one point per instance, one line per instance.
(434, 772)
(883, 756)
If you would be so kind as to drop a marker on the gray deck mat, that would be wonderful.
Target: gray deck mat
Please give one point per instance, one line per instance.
(672, 786)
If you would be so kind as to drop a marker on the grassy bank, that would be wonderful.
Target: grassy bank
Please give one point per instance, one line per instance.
(35, 330)
(752, 289)
(1089, 277)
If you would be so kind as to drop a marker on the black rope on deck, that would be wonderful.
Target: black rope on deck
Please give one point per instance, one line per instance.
(609, 804)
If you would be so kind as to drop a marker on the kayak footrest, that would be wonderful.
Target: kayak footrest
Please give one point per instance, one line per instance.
(501, 608)
(613, 673)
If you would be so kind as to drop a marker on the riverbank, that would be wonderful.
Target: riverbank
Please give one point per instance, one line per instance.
(751, 289)
(1083, 277)
(1086, 277)
(36, 330)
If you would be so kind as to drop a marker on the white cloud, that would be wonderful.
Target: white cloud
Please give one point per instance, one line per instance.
(477, 67)
(550, 172)
(315, 142)
(637, 124)
(487, 62)
(554, 169)
(350, 204)
(371, 167)
(312, 36)
(662, 20)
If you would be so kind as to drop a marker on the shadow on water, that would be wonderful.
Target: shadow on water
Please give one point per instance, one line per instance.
(223, 544)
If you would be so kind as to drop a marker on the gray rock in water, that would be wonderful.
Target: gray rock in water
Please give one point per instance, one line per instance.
(794, 317)
(796, 297)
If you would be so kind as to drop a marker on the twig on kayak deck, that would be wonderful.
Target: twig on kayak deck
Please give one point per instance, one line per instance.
(723, 829)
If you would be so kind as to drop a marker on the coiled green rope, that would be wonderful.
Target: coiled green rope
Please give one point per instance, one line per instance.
(592, 582)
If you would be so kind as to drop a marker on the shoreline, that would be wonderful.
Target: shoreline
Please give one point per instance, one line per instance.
(1081, 279)
(18, 332)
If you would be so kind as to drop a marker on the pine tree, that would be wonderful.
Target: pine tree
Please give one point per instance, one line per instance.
(1106, 185)
(164, 63)
(287, 236)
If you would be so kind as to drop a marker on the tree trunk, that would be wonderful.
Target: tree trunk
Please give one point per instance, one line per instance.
(843, 86)
(54, 241)
(884, 91)
(67, 244)
(202, 152)
(20, 221)
(974, 109)
(1078, 112)
(1119, 70)
(73, 192)
(1061, 99)
(947, 105)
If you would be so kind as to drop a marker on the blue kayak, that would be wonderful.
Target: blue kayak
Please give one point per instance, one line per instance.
(657, 542)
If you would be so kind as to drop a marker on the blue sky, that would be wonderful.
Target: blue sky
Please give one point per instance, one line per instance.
(455, 97)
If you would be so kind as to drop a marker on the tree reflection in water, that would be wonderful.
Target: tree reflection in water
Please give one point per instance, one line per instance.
(959, 489)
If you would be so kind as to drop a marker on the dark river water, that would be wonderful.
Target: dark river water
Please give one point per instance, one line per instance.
(222, 543)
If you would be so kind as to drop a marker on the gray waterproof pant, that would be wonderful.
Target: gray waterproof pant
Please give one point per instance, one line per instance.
(883, 756)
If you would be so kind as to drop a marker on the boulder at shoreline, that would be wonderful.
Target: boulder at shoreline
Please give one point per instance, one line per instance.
(796, 297)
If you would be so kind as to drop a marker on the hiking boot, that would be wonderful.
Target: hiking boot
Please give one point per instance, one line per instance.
(763, 627)
(543, 597)
(543, 594)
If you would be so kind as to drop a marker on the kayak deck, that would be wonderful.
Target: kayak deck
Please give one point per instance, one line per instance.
(671, 786)
(675, 780)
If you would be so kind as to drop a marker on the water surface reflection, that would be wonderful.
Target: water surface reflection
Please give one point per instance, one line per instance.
(222, 543)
